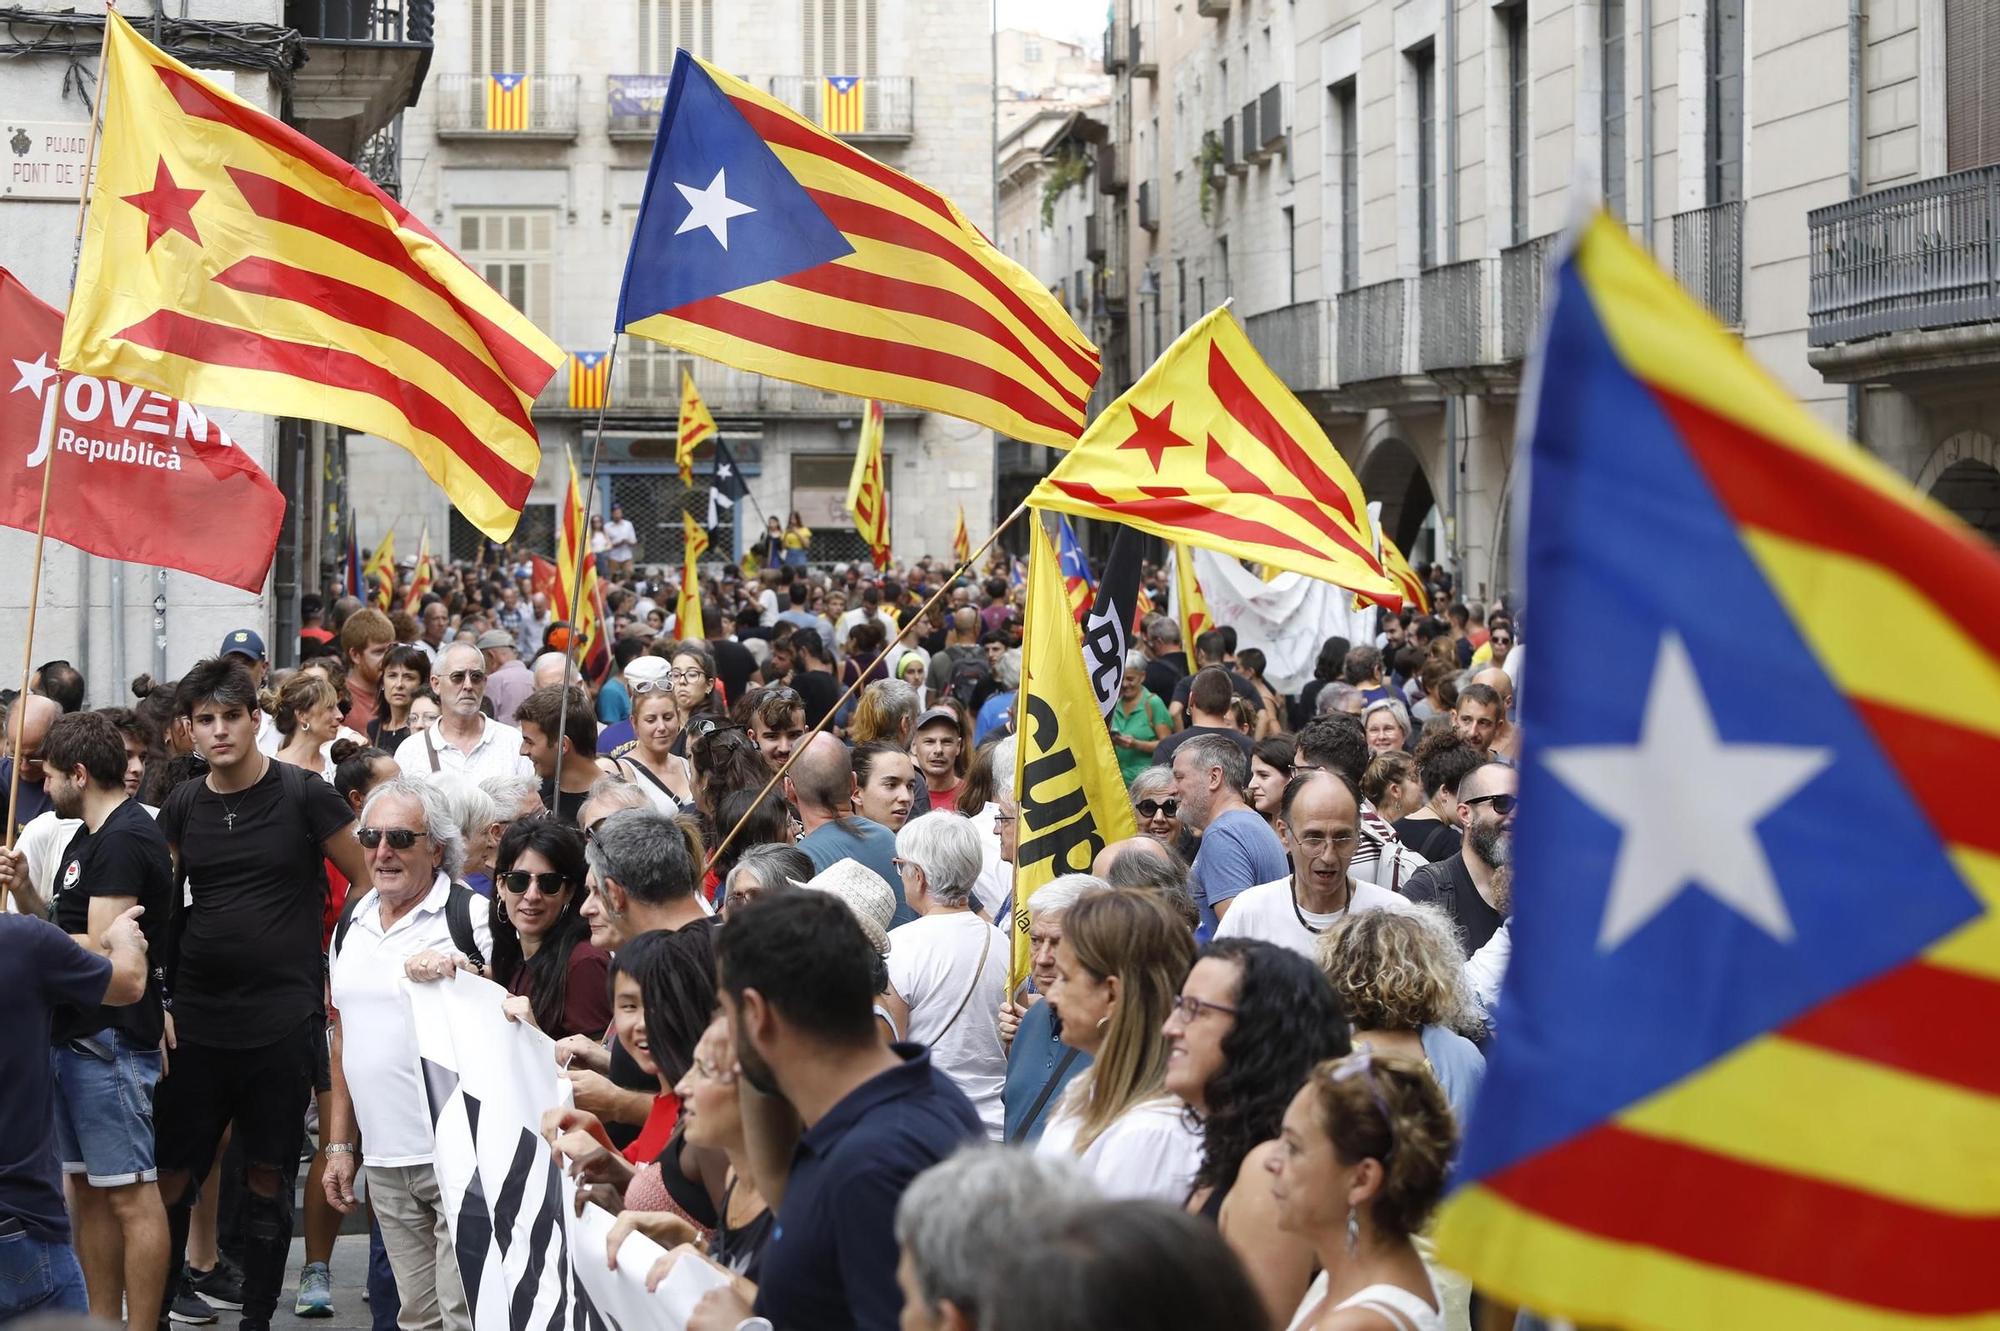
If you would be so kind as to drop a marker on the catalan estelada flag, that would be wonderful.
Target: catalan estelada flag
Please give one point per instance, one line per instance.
(1077, 586)
(589, 378)
(1747, 1069)
(961, 538)
(1211, 448)
(867, 490)
(697, 427)
(507, 102)
(231, 261)
(766, 243)
(573, 554)
(843, 104)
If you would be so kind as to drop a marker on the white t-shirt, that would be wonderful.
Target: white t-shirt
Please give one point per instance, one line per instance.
(934, 962)
(1150, 1150)
(42, 842)
(1267, 911)
(622, 536)
(498, 753)
(378, 1050)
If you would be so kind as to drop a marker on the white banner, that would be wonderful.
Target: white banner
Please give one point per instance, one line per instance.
(1286, 618)
(526, 1257)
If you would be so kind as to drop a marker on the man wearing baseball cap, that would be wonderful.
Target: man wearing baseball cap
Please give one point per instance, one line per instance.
(248, 644)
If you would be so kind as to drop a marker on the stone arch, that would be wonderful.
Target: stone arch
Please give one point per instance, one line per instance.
(1963, 474)
(1392, 473)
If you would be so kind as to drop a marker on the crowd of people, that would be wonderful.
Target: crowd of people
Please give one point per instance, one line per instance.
(755, 887)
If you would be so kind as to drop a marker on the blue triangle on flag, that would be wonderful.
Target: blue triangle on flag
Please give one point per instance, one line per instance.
(705, 145)
(508, 82)
(589, 360)
(843, 83)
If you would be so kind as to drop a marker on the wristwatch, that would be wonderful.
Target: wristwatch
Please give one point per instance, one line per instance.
(339, 1148)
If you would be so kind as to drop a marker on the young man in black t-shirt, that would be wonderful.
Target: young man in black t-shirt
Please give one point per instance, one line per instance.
(108, 1059)
(247, 979)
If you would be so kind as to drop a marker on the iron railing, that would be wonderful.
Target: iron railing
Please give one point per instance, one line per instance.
(1143, 52)
(1451, 315)
(1923, 255)
(1293, 342)
(888, 103)
(463, 107)
(1708, 258)
(362, 20)
(1369, 327)
(632, 104)
(1523, 287)
(381, 158)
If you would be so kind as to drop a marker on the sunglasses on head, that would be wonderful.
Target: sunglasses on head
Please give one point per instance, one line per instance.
(399, 838)
(1502, 803)
(1154, 808)
(642, 687)
(517, 882)
(704, 726)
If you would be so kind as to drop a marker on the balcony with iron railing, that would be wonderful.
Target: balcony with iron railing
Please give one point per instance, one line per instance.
(530, 106)
(381, 158)
(1369, 325)
(887, 113)
(1451, 316)
(366, 61)
(1904, 275)
(647, 381)
(1295, 342)
(632, 104)
(1523, 288)
(1144, 50)
(1110, 169)
(1708, 258)
(1114, 47)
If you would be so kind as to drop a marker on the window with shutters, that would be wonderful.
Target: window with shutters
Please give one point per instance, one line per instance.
(509, 36)
(1611, 36)
(839, 37)
(1971, 76)
(1346, 113)
(1725, 101)
(1515, 19)
(666, 25)
(1423, 80)
(515, 252)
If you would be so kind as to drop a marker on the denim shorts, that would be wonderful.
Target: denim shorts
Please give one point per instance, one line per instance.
(104, 1108)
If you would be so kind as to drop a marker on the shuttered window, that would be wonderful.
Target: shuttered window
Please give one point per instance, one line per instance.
(1971, 76)
(509, 36)
(665, 25)
(515, 252)
(1725, 101)
(1611, 18)
(839, 37)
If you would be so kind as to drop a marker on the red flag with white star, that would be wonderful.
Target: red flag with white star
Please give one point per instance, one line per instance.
(142, 477)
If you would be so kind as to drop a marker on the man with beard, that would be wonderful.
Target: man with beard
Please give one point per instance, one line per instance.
(798, 981)
(1463, 886)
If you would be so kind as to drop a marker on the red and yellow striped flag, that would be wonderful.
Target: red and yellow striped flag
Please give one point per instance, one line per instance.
(572, 552)
(697, 426)
(378, 575)
(867, 492)
(1211, 448)
(423, 576)
(843, 104)
(507, 102)
(766, 243)
(687, 611)
(961, 539)
(1186, 603)
(589, 379)
(229, 260)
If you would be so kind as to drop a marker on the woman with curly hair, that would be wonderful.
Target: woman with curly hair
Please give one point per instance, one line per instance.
(1401, 979)
(1251, 1021)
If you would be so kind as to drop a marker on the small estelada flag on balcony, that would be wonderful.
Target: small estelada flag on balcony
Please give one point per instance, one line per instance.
(843, 104)
(506, 101)
(589, 378)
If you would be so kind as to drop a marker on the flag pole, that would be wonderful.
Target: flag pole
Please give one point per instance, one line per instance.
(860, 679)
(570, 663)
(49, 415)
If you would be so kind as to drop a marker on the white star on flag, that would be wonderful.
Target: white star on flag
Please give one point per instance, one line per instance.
(35, 375)
(1687, 805)
(723, 471)
(711, 207)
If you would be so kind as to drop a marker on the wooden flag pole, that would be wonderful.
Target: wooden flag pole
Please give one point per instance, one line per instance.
(859, 680)
(49, 414)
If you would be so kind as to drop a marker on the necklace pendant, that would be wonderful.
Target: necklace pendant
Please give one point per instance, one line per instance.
(229, 821)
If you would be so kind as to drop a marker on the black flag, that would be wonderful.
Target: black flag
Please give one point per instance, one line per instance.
(1107, 629)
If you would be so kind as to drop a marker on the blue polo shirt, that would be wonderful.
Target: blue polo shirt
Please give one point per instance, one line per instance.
(1032, 1061)
(831, 1260)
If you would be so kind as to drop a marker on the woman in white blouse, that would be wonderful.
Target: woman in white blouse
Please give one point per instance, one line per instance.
(1119, 969)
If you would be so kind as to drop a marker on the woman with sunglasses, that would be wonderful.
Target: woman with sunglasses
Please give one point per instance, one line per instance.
(1402, 983)
(1252, 1020)
(1159, 812)
(1118, 971)
(1139, 720)
(542, 951)
(1357, 1168)
(652, 762)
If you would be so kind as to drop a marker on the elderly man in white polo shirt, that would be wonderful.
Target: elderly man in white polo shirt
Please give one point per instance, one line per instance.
(465, 741)
(401, 926)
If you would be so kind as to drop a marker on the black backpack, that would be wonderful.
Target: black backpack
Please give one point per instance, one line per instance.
(457, 918)
(971, 680)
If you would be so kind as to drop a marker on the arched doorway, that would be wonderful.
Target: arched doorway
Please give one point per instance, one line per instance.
(1392, 475)
(1970, 488)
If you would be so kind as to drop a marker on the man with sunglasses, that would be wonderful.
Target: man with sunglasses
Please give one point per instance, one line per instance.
(465, 741)
(400, 929)
(247, 1026)
(1463, 886)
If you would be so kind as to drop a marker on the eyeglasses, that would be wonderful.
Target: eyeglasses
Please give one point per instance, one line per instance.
(1155, 808)
(467, 677)
(1503, 803)
(1316, 843)
(1361, 1063)
(999, 817)
(518, 880)
(399, 838)
(1189, 1008)
(686, 675)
